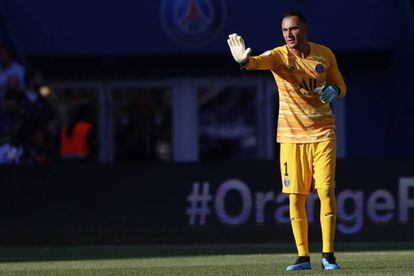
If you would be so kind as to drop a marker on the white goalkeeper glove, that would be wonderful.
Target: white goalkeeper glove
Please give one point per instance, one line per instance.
(327, 93)
(238, 48)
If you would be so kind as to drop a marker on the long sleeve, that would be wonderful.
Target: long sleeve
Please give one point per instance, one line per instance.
(265, 61)
(333, 76)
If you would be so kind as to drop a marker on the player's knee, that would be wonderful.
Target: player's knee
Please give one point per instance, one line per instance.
(328, 203)
(326, 193)
(295, 204)
(297, 201)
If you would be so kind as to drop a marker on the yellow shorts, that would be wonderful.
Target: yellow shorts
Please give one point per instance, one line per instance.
(304, 167)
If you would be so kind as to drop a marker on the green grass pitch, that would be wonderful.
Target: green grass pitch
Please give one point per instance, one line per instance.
(355, 259)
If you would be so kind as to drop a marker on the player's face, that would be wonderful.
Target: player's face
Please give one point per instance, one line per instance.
(294, 32)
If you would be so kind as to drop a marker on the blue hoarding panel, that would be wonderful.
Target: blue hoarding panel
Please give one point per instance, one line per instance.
(222, 202)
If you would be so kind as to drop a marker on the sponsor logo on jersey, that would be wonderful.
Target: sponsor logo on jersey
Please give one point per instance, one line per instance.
(307, 86)
(193, 23)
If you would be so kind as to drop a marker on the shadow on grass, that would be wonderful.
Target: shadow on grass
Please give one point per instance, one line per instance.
(34, 254)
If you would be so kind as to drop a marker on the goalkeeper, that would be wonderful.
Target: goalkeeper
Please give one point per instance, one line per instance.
(308, 80)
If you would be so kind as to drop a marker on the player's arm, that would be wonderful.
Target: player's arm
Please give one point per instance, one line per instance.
(334, 77)
(335, 85)
(242, 55)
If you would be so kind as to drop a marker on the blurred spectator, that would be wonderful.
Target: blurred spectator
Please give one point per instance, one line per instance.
(15, 129)
(12, 83)
(12, 74)
(34, 81)
(38, 105)
(78, 139)
(44, 140)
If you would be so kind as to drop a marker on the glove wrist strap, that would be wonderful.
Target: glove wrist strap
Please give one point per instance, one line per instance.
(243, 63)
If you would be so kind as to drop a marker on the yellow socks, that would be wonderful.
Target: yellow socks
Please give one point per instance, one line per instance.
(328, 218)
(299, 221)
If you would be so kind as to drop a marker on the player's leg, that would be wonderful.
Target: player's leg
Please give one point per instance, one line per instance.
(296, 179)
(299, 222)
(324, 175)
(328, 224)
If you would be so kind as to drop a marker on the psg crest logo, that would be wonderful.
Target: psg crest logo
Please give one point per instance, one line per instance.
(193, 23)
(319, 68)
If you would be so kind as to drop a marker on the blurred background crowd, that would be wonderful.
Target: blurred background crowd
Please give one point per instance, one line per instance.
(29, 130)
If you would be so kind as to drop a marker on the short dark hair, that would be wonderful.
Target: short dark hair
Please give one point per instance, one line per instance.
(296, 13)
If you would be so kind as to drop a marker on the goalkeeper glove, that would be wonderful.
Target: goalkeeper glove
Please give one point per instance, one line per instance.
(238, 48)
(327, 93)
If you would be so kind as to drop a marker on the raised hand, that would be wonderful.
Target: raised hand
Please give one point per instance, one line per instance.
(238, 48)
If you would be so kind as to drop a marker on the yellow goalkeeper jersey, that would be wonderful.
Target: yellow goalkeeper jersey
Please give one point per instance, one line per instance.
(303, 118)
